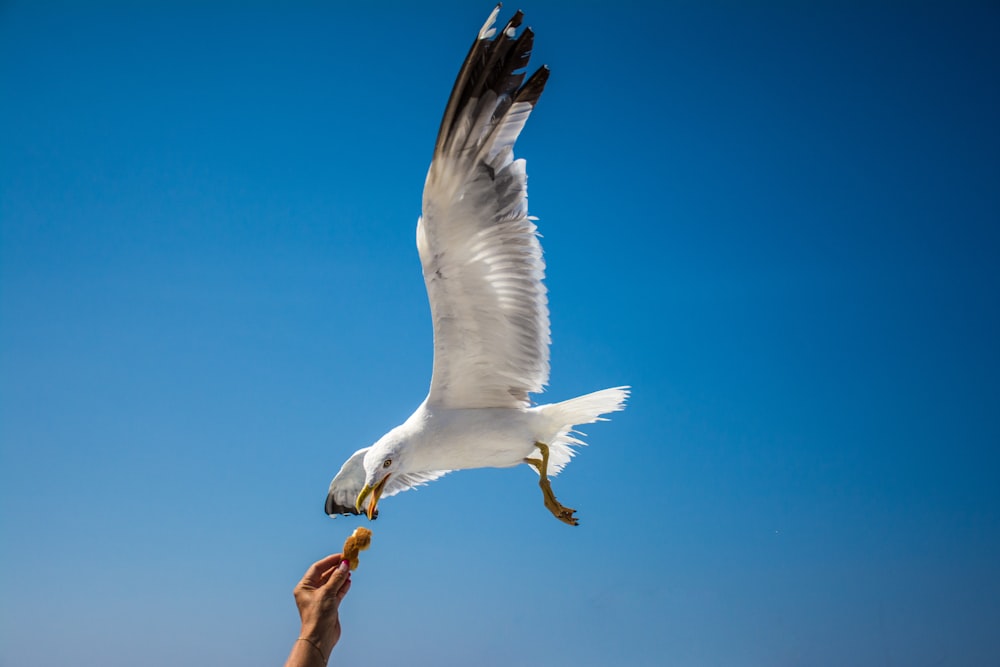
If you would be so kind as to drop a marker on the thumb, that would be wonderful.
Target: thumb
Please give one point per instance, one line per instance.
(314, 575)
(340, 576)
(343, 591)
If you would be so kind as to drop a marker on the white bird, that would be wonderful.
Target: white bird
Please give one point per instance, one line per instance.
(483, 267)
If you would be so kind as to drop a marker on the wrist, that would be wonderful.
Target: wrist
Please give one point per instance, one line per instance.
(319, 637)
(313, 654)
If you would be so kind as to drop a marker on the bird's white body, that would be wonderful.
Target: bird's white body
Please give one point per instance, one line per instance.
(436, 440)
(459, 439)
(483, 269)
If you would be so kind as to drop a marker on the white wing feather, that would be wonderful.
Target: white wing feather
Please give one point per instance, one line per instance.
(411, 480)
(482, 262)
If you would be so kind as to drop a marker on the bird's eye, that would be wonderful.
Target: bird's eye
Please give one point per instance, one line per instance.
(388, 462)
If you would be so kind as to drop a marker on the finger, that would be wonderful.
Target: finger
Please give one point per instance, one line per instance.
(314, 576)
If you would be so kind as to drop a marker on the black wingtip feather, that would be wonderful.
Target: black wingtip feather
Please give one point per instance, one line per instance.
(494, 64)
(532, 89)
(335, 509)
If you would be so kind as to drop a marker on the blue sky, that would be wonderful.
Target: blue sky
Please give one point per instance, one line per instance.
(779, 223)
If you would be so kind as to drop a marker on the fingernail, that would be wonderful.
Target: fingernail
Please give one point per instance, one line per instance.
(343, 567)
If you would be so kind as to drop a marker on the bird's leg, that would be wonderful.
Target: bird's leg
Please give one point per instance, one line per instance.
(558, 510)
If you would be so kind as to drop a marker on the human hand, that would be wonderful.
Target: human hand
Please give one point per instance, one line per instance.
(318, 597)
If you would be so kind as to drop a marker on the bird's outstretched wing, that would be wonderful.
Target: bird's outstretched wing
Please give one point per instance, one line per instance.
(481, 258)
(347, 484)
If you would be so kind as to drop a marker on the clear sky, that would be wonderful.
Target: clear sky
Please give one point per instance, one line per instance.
(780, 223)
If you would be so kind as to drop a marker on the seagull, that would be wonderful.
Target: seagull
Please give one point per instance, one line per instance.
(483, 268)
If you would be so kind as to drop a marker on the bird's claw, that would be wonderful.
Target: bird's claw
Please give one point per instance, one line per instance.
(561, 512)
(566, 516)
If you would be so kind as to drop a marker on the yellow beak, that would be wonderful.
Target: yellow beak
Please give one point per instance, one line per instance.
(375, 492)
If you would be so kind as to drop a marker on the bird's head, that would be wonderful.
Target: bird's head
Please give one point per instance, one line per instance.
(381, 461)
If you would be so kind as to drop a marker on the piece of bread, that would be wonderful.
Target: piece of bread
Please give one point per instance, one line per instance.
(359, 540)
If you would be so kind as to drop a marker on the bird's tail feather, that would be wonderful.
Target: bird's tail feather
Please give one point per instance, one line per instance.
(567, 415)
